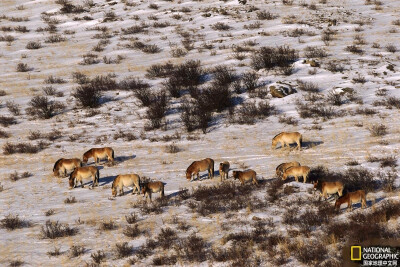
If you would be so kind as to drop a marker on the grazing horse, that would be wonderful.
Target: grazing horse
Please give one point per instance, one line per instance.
(296, 172)
(350, 198)
(245, 176)
(224, 170)
(81, 173)
(282, 167)
(125, 180)
(63, 165)
(200, 166)
(99, 154)
(287, 139)
(329, 188)
(152, 187)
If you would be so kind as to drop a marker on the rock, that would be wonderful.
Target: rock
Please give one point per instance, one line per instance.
(280, 89)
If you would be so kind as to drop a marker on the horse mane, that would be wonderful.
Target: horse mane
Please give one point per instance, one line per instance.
(280, 165)
(277, 135)
(89, 151)
(55, 164)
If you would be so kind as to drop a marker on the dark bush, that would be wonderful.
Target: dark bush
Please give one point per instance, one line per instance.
(192, 248)
(12, 222)
(33, 45)
(7, 121)
(9, 148)
(307, 86)
(132, 83)
(132, 231)
(88, 95)
(4, 134)
(222, 76)
(157, 109)
(43, 108)
(314, 52)
(311, 252)
(107, 226)
(378, 130)
(23, 67)
(123, 250)
(160, 70)
(98, 256)
(54, 230)
(220, 26)
(166, 237)
(53, 253)
(249, 112)
(70, 200)
(52, 80)
(354, 49)
(250, 81)
(55, 38)
(80, 78)
(270, 57)
(165, 260)
(195, 115)
(76, 250)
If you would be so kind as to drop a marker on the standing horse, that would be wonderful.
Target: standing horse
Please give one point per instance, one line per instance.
(63, 165)
(287, 139)
(245, 176)
(224, 170)
(350, 198)
(99, 154)
(282, 167)
(125, 180)
(329, 188)
(296, 172)
(81, 173)
(153, 187)
(199, 166)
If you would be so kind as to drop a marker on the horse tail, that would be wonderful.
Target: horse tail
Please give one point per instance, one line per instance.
(162, 191)
(301, 141)
(212, 169)
(80, 163)
(112, 153)
(55, 164)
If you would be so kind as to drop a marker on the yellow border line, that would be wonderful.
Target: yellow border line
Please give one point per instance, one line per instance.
(351, 251)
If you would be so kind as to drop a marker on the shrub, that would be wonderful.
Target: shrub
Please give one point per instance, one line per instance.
(16, 263)
(80, 78)
(266, 15)
(49, 212)
(132, 231)
(192, 248)
(157, 109)
(220, 26)
(23, 67)
(53, 253)
(88, 95)
(104, 83)
(378, 130)
(12, 222)
(160, 70)
(222, 75)
(195, 115)
(270, 57)
(172, 148)
(391, 48)
(43, 108)
(52, 80)
(76, 250)
(250, 81)
(13, 108)
(54, 230)
(70, 200)
(166, 237)
(7, 121)
(186, 75)
(110, 225)
(132, 83)
(55, 38)
(359, 178)
(33, 45)
(4, 134)
(311, 252)
(333, 66)
(123, 250)
(249, 112)
(165, 260)
(354, 49)
(314, 52)
(9, 148)
(98, 256)
(307, 86)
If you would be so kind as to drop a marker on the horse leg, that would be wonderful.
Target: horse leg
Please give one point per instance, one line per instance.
(304, 179)
(350, 206)
(296, 178)
(122, 191)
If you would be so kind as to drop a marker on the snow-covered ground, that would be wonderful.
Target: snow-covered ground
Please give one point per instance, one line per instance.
(332, 144)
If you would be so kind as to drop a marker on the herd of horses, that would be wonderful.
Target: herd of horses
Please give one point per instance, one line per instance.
(78, 173)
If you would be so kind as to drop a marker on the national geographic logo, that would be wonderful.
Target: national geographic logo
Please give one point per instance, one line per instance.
(375, 255)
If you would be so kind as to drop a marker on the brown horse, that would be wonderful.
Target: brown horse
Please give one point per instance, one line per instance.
(199, 166)
(296, 172)
(224, 170)
(245, 176)
(99, 154)
(329, 188)
(287, 138)
(125, 180)
(153, 187)
(282, 167)
(81, 173)
(63, 165)
(350, 198)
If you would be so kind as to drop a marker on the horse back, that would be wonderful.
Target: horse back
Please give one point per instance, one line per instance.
(57, 163)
